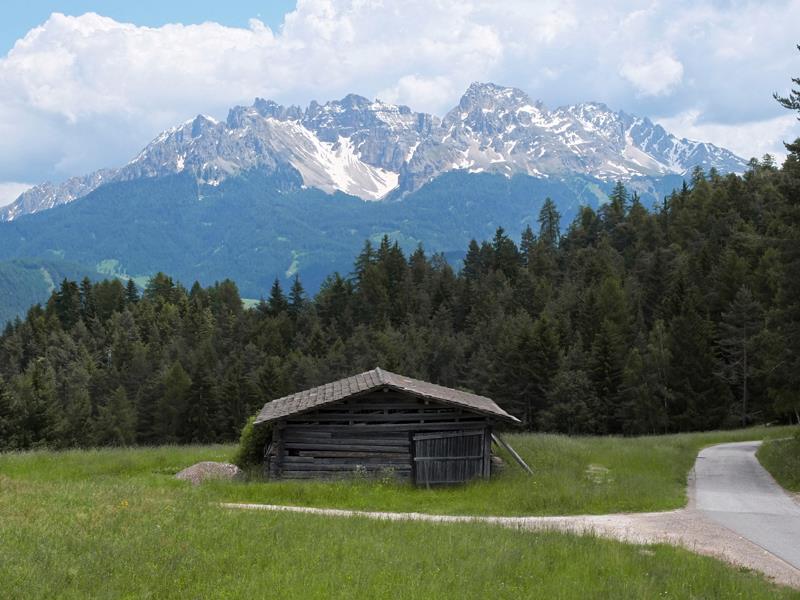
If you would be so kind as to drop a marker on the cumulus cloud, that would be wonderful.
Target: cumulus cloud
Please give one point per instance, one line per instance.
(10, 191)
(654, 76)
(83, 92)
(745, 139)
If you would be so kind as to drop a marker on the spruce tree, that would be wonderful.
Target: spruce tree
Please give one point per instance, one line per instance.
(9, 427)
(297, 297)
(116, 421)
(549, 225)
(738, 336)
(277, 302)
(131, 292)
(527, 245)
(171, 405)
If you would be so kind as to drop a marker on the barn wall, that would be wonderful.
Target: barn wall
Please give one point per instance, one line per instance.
(370, 434)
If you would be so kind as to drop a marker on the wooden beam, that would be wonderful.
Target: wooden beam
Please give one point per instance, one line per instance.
(500, 441)
(350, 447)
(487, 453)
(277, 449)
(438, 458)
(454, 434)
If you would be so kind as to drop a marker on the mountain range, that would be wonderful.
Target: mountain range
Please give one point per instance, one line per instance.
(278, 191)
(379, 151)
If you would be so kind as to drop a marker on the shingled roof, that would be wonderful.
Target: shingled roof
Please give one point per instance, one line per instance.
(372, 380)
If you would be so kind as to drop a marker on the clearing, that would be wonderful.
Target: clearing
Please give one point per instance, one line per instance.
(111, 523)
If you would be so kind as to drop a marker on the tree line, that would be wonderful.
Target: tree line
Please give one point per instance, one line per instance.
(632, 321)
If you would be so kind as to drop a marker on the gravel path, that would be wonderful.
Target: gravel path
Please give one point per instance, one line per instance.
(713, 524)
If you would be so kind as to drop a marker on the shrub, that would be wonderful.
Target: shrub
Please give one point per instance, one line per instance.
(254, 438)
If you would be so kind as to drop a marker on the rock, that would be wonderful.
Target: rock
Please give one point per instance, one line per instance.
(204, 471)
(498, 465)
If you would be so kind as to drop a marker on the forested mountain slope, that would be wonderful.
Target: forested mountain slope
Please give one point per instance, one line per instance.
(257, 226)
(629, 321)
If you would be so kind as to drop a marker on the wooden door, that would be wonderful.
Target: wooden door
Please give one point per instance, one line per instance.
(446, 457)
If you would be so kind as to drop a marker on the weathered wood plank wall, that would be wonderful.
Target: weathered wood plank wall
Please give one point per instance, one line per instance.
(372, 435)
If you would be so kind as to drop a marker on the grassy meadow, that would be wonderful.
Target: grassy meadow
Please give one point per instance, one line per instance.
(573, 475)
(114, 523)
(782, 459)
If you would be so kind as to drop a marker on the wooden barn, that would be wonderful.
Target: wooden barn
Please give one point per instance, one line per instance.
(381, 422)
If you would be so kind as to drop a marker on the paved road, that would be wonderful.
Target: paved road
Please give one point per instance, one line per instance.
(733, 489)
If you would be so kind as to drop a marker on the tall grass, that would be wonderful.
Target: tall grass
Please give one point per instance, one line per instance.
(572, 475)
(782, 459)
(121, 528)
(115, 523)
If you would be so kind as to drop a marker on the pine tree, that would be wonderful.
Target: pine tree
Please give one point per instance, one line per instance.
(277, 302)
(506, 258)
(527, 245)
(116, 421)
(160, 289)
(172, 404)
(131, 292)
(645, 387)
(9, 427)
(571, 398)
(39, 417)
(297, 297)
(739, 331)
(473, 265)
(549, 225)
(88, 309)
(617, 206)
(365, 259)
(67, 304)
(607, 359)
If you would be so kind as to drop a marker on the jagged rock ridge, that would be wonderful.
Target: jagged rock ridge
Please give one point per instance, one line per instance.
(372, 149)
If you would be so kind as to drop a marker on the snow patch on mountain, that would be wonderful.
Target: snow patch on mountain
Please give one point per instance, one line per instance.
(372, 149)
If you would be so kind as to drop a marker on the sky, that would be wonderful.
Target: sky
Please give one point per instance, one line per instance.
(86, 85)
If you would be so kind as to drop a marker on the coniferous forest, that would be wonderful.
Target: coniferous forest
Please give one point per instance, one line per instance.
(685, 316)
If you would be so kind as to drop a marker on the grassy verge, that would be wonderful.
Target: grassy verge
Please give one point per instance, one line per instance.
(782, 459)
(573, 475)
(115, 524)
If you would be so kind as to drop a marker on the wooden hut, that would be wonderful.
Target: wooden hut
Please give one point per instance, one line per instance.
(381, 422)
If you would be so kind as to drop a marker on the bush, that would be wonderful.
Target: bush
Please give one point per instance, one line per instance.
(254, 438)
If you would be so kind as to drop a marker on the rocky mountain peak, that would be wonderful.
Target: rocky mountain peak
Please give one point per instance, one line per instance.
(269, 108)
(489, 96)
(371, 149)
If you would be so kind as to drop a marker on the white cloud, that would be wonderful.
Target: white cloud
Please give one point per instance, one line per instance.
(79, 93)
(655, 76)
(747, 139)
(10, 191)
(414, 90)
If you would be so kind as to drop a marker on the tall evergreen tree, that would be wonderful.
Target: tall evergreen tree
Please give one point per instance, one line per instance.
(116, 421)
(549, 224)
(277, 302)
(739, 331)
(131, 292)
(297, 297)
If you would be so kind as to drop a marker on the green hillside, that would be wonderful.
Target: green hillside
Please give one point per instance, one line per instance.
(256, 227)
(24, 282)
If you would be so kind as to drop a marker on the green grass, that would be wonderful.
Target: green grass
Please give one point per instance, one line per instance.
(573, 475)
(116, 524)
(782, 459)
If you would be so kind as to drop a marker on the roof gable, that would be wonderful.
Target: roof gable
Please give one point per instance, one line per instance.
(377, 378)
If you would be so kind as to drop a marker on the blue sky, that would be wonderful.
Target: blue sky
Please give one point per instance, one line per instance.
(20, 17)
(86, 85)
